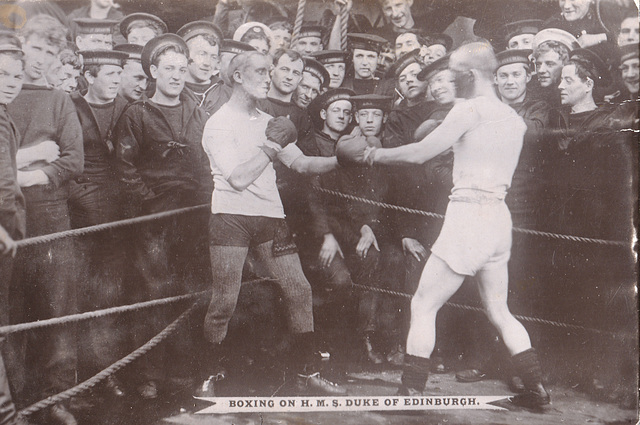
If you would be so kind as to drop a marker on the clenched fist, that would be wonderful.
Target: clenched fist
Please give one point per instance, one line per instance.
(350, 150)
(281, 131)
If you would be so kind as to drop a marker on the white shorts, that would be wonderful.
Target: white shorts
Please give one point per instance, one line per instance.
(475, 236)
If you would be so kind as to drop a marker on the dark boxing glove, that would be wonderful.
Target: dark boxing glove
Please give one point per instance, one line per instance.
(350, 150)
(281, 131)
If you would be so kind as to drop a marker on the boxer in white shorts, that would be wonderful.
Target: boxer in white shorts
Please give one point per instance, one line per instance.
(486, 137)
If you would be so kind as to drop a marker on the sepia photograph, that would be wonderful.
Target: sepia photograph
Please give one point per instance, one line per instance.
(218, 212)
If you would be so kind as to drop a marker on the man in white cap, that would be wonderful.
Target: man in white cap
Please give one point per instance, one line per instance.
(551, 48)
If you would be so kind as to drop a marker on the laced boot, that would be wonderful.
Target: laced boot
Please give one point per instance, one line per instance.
(527, 367)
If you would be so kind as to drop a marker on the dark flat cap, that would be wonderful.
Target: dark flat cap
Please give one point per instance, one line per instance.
(324, 100)
(128, 20)
(316, 69)
(525, 26)
(433, 68)
(507, 57)
(102, 57)
(311, 30)
(196, 28)
(368, 42)
(330, 56)
(236, 47)
(404, 61)
(628, 51)
(595, 63)
(94, 26)
(158, 44)
(442, 39)
(10, 43)
(372, 101)
(278, 22)
(133, 50)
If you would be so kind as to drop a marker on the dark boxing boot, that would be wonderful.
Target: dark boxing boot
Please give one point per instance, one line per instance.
(415, 373)
(527, 367)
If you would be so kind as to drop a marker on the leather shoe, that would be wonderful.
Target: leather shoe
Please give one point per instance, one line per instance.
(148, 390)
(372, 355)
(59, 415)
(316, 384)
(532, 398)
(114, 387)
(470, 375)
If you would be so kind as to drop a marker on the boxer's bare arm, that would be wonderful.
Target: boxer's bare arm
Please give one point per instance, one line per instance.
(314, 164)
(457, 122)
(246, 173)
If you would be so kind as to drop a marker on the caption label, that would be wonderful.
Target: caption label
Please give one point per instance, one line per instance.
(341, 404)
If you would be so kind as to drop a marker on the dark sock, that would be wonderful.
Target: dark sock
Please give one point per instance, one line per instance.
(527, 366)
(415, 372)
(302, 353)
(216, 357)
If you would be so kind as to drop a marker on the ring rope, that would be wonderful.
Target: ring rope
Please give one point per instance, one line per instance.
(166, 214)
(440, 216)
(21, 327)
(115, 367)
(297, 25)
(106, 226)
(481, 310)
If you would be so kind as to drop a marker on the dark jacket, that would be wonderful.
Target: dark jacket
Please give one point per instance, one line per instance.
(424, 187)
(209, 97)
(335, 215)
(99, 153)
(12, 205)
(591, 171)
(524, 194)
(157, 160)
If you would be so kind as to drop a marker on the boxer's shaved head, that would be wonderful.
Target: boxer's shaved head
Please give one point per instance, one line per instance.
(477, 55)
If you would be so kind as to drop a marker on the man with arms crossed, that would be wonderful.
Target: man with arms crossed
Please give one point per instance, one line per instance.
(486, 136)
